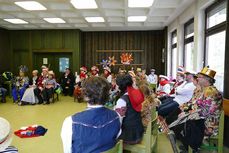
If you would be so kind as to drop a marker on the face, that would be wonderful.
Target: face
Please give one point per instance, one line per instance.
(34, 73)
(81, 71)
(179, 77)
(67, 71)
(94, 72)
(202, 81)
(152, 72)
(44, 72)
(106, 72)
(188, 77)
(162, 79)
(21, 74)
(195, 82)
(50, 76)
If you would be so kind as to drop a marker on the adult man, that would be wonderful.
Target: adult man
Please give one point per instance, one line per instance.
(204, 118)
(152, 77)
(67, 82)
(182, 95)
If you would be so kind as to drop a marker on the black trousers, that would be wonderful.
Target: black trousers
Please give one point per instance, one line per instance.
(47, 94)
(37, 92)
(190, 133)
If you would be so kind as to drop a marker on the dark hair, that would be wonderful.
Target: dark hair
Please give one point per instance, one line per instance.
(123, 81)
(96, 89)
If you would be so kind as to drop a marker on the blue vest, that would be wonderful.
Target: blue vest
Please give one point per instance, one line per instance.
(94, 130)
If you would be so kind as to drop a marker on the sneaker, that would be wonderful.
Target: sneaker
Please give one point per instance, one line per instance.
(45, 102)
(51, 100)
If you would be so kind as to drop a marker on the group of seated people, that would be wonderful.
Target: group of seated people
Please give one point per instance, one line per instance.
(38, 89)
(192, 95)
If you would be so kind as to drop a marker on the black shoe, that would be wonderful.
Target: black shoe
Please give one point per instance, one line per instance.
(182, 148)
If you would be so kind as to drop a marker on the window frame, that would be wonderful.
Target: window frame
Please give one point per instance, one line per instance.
(173, 45)
(187, 40)
(213, 30)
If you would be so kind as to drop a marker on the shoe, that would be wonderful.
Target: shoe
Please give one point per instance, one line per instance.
(51, 100)
(182, 148)
(45, 102)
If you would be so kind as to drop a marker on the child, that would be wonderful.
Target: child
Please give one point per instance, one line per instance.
(50, 84)
(2, 90)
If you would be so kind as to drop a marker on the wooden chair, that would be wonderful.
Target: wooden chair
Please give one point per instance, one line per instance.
(214, 142)
(118, 148)
(149, 142)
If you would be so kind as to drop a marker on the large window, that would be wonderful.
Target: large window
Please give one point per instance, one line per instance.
(174, 54)
(188, 54)
(215, 40)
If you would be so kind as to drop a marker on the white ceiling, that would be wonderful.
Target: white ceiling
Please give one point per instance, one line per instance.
(115, 13)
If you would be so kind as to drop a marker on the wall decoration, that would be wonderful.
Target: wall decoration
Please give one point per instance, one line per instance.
(126, 58)
(104, 63)
(112, 61)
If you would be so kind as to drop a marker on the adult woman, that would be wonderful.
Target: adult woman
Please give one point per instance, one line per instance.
(29, 97)
(129, 107)
(96, 128)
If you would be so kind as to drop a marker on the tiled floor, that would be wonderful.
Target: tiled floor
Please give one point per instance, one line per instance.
(50, 116)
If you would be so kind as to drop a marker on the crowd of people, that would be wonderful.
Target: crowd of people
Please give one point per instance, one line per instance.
(132, 97)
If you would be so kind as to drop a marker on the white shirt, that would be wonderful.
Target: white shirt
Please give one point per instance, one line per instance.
(109, 78)
(165, 88)
(184, 92)
(152, 79)
(66, 131)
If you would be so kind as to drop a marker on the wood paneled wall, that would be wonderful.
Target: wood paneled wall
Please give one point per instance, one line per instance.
(24, 43)
(152, 42)
(5, 59)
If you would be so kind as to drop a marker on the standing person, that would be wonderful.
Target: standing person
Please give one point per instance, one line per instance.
(20, 84)
(2, 90)
(40, 84)
(152, 77)
(6, 137)
(129, 107)
(95, 129)
(29, 97)
(67, 82)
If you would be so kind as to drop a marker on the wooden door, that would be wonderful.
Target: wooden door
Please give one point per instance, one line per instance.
(55, 61)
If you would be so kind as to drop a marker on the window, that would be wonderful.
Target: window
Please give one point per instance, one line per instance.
(188, 54)
(215, 40)
(63, 64)
(173, 67)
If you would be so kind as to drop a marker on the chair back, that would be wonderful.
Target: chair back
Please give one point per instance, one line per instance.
(118, 148)
(226, 106)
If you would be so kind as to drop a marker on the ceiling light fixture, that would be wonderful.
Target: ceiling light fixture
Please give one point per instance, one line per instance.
(16, 21)
(136, 18)
(84, 4)
(94, 19)
(31, 5)
(140, 3)
(54, 20)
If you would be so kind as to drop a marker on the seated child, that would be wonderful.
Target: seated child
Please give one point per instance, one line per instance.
(49, 85)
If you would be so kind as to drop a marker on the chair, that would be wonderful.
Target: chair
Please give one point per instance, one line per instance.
(215, 142)
(118, 148)
(149, 142)
(9, 87)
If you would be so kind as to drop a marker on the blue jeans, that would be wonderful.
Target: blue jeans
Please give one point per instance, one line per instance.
(167, 107)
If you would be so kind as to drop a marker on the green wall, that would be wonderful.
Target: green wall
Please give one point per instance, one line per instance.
(25, 43)
(5, 59)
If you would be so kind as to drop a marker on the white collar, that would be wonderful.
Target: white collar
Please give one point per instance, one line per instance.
(89, 106)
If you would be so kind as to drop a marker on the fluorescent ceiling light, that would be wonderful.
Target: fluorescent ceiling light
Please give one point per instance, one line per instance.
(31, 5)
(16, 21)
(54, 20)
(84, 4)
(94, 19)
(140, 3)
(136, 18)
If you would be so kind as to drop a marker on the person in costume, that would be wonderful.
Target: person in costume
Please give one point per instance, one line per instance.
(6, 137)
(204, 118)
(2, 90)
(152, 77)
(67, 81)
(20, 84)
(107, 74)
(179, 79)
(97, 128)
(49, 85)
(29, 96)
(40, 84)
(94, 71)
(79, 80)
(129, 107)
(164, 86)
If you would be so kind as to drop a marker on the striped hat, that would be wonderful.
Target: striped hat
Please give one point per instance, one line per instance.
(180, 70)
